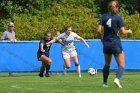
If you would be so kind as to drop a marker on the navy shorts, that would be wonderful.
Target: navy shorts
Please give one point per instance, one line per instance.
(112, 49)
(40, 54)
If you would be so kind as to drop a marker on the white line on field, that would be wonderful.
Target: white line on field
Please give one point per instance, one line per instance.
(18, 87)
(15, 86)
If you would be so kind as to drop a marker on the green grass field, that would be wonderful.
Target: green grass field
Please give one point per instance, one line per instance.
(69, 84)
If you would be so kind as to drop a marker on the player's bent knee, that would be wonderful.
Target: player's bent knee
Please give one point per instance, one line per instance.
(122, 66)
(50, 61)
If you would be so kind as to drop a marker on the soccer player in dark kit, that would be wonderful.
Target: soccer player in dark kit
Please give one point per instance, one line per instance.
(43, 54)
(112, 23)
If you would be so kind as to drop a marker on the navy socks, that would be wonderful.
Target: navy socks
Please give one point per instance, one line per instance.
(42, 70)
(105, 73)
(119, 72)
(48, 68)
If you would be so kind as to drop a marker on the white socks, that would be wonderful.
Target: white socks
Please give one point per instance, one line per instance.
(78, 70)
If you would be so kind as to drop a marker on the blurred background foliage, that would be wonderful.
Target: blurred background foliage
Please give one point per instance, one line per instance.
(33, 17)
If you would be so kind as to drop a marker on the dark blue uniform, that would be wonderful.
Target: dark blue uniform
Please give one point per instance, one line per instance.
(45, 47)
(111, 40)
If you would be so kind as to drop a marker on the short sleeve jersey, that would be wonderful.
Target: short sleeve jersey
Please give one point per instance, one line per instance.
(45, 47)
(68, 40)
(111, 23)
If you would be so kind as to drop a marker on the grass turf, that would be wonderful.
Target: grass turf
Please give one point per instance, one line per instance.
(68, 84)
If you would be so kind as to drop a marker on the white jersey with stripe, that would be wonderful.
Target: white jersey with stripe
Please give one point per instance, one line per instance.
(68, 40)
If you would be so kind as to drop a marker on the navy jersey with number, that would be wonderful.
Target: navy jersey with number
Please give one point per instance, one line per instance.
(112, 23)
(45, 47)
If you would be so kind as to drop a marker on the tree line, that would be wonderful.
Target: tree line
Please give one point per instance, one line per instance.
(33, 17)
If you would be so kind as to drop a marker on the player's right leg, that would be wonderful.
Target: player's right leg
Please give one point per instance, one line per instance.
(108, 60)
(67, 64)
(42, 69)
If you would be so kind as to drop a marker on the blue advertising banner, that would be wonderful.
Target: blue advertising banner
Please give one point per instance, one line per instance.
(21, 56)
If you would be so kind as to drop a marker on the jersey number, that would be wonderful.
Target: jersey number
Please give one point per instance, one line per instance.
(109, 22)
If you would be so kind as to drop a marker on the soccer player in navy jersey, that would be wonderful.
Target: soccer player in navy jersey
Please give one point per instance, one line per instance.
(43, 54)
(112, 23)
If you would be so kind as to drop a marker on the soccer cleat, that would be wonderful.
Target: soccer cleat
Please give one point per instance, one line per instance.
(105, 85)
(64, 72)
(10, 74)
(79, 75)
(64, 68)
(47, 75)
(40, 75)
(117, 83)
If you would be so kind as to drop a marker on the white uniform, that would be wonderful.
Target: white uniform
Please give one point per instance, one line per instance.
(69, 49)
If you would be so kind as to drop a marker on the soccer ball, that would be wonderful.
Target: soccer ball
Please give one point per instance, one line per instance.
(92, 71)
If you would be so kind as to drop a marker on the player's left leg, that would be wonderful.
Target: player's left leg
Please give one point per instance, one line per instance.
(120, 61)
(75, 60)
(48, 66)
(74, 57)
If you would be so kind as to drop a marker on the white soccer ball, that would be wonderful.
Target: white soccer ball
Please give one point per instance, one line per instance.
(92, 71)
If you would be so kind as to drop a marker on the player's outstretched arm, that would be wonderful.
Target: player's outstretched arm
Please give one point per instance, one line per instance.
(83, 40)
(52, 41)
(61, 42)
(123, 31)
(55, 40)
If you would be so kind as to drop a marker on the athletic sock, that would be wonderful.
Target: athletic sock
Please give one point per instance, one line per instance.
(48, 68)
(105, 73)
(42, 70)
(78, 69)
(119, 72)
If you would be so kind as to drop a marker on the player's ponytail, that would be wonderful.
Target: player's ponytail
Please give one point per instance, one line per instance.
(113, 7)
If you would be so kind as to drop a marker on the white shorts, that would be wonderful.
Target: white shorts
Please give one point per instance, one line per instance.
(67, 55)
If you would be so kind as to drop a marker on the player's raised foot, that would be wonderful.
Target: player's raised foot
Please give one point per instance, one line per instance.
(105, 85)
(117, 83)
(47, 75)
(40, 75)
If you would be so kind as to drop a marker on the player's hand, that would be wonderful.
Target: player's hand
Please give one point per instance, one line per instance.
(13, 40)
(62, 43)
(47, 44)
(130, 31)
(87, 45)
(42, 50)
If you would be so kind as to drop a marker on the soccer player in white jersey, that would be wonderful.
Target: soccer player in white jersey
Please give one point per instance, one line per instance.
(68, 48)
